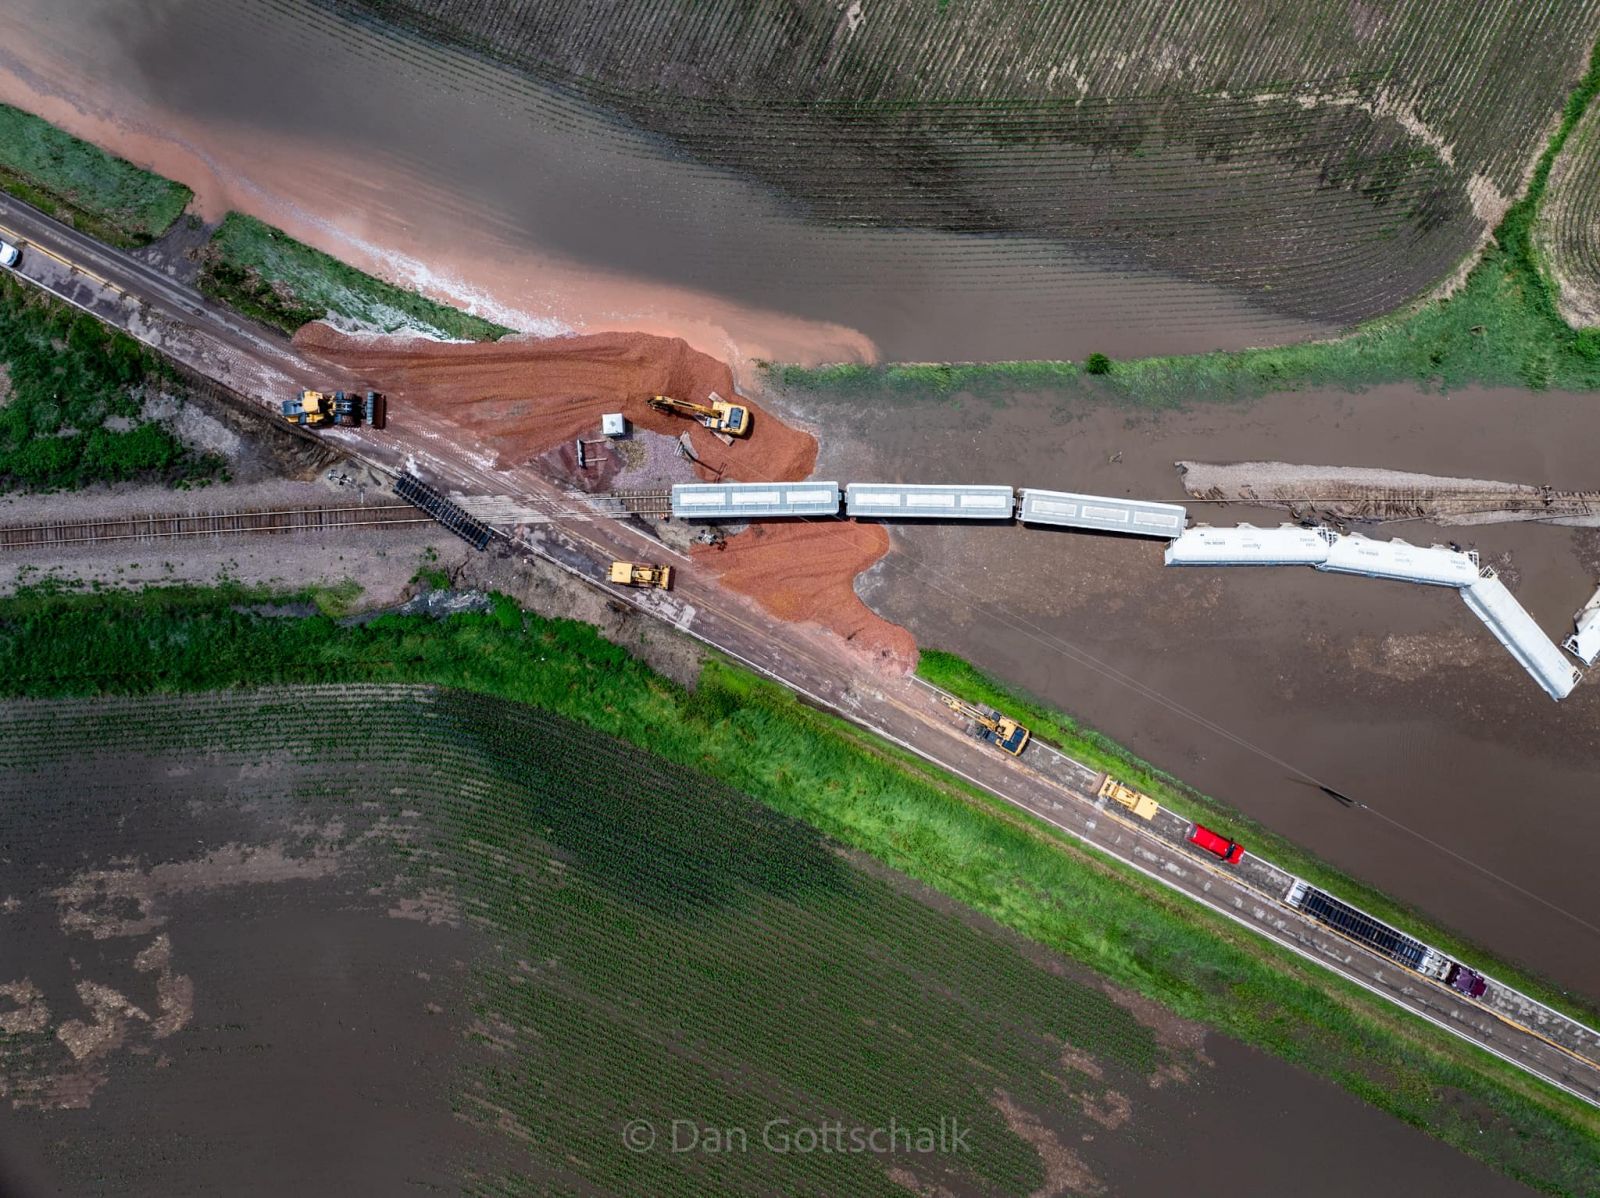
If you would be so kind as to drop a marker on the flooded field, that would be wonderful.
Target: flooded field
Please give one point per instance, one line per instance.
(1481, 788)
(219, 979)
(479, 187)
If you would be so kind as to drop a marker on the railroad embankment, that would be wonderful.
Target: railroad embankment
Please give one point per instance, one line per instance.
(266, 274)
(758, 739)
(82, 185)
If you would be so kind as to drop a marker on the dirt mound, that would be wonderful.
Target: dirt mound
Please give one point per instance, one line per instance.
(522, 396)
(805, 572)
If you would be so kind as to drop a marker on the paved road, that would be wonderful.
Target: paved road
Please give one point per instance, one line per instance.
(565, 530)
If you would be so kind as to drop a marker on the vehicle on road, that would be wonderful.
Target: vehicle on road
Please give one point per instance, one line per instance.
(719, 416)
(10, 255)
(1381, 938)
(988, 725)
(1231, 851)
(1141, 805)
(640, 574)
(1468, 981)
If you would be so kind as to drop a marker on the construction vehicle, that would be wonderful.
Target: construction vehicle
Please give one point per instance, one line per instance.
(719, 416)
(988, 725)
(344, 408)
(1141, 805)
(639, 574)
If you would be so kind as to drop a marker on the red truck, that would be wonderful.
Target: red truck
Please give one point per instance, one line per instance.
(1229, 850)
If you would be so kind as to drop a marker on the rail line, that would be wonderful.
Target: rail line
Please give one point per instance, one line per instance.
(166, 526)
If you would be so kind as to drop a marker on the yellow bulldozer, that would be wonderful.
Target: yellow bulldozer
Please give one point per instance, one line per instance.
(988, 725)
(1141, 805)
(719, 416)
(639, 574)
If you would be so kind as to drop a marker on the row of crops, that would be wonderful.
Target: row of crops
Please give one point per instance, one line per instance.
(1333, 158)
(659, 945)
(1568, 234)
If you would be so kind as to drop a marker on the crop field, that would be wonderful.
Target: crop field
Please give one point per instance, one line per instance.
(855, 791)
(645, 943)
(1568, 233)
(82, 184)
(1332, 160)
(71, 402)
(265, 273)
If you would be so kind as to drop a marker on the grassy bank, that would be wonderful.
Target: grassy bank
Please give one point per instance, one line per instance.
(960, 677)
(757, 739)
(1502, 328)
(81, 184)
(266, 274)
(71, 400)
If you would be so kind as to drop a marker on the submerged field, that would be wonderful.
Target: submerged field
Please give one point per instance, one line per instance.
(1331, 160)
(804, 766)
(640, 943)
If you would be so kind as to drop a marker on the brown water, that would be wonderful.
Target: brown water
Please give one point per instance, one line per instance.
(1482, 789)
(478, 186)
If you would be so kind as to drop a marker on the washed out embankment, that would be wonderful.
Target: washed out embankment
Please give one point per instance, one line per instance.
(806, 572)
(520, 397)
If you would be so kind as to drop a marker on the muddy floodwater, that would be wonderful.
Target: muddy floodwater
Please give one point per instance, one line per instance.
(1482, 790)
(480, 187)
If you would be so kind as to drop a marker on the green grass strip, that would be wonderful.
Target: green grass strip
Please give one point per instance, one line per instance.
(82, 185)
(756, 737)
(266, 274)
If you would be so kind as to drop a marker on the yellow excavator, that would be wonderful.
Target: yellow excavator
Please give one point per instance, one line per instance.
(638, 574)
(719, 416)
(988, 725)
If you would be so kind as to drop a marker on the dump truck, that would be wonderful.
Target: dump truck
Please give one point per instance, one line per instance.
(719, 416)
(1141, 805)
(346, 409)
(988, 725)
(640, 574)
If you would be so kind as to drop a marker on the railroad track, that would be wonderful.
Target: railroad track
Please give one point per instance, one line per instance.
(647, 502)
(158, 527)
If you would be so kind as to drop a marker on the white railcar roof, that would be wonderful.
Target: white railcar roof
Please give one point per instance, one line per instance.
(1246, 545)
(1434, 566)
(1514, 628)
(1068, 509)
(709, 501)
(930, 501)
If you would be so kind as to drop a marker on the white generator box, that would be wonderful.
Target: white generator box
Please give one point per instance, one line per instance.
(614, 424)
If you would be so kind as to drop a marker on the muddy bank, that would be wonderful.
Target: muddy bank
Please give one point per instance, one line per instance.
(806, 572)
(1392, 694)
(520, 397)
(1381, 496)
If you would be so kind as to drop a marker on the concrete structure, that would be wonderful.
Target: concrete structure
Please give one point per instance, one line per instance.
(1436, 566)
(738, 501)
(1246, 545)
(614, 424)
(1584, 644)
(1066, 509)
(902, 501)
(1514, 628)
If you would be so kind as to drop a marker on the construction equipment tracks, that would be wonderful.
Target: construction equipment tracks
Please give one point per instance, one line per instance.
(157, 527)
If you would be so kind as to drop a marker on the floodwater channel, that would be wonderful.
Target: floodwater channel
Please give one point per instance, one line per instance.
(476, 185)
(1243, 681)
